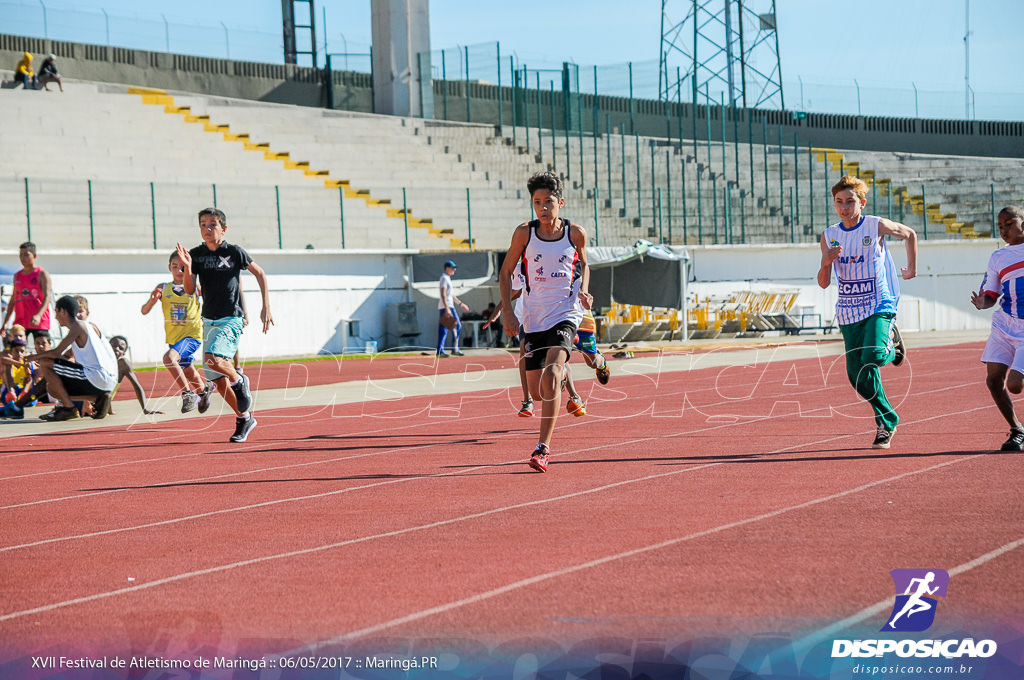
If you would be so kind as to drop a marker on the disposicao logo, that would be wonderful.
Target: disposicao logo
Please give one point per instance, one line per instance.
(916, 592)
(914, 611)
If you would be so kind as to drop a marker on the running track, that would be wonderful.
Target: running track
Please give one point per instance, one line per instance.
(739, 501)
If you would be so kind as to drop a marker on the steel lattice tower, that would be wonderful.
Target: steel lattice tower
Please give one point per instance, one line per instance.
(291, 30)
(721, 46)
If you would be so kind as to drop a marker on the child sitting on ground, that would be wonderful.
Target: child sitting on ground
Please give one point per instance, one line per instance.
(119, 344)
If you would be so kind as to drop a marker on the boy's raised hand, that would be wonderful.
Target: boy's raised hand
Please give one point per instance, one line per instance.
(183, 255)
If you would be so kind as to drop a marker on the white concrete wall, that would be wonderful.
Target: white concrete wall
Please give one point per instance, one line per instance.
(938, 299)
(313, 293)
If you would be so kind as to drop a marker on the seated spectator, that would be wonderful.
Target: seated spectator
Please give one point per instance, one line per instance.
(23, 72)
(48, 73)
(119, 344)
(19, 376)
(95, 374)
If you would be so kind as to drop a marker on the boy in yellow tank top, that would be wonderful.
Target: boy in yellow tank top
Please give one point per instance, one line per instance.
(184, 328)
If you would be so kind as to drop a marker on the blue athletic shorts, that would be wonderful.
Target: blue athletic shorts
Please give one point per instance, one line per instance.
(186, 349)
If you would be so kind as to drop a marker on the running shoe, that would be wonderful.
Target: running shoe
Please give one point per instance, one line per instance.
(204, 397)
(242, 394)
(100, 406)
(883, 438)
(60, 413)
(12, 411)
(576, 406)
(1015, 442)
(603, 374)
(457, 353)
(442, 355)
(189, 401)
(897, 342)
(243, 426)
(527, 409)
(539, 459)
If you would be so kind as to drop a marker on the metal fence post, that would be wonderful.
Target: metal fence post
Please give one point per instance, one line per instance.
(469, 116)
(995, 216)
(743, 217)
(661, 231)
(469, 217)
(682, 184)
(810, 185)
(792, 222)
(92, 225)
(277, 202)
(639, 199)
(782, 183)
(405, 217)
(152, 208)
(714, 204)
(796, 176)
(444, 87)
(597, 232)
(28, 211)
(341, 211)
(924, 212)
(501, 108)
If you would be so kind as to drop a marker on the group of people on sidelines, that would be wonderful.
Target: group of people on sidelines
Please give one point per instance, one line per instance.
(81, 372)
(546, 274)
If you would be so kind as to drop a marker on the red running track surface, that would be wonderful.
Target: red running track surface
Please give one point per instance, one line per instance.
(732, 501)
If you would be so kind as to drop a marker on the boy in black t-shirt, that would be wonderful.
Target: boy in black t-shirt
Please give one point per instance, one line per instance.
(218, 265)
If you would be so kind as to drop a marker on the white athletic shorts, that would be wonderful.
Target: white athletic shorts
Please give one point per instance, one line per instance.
(1006, 342)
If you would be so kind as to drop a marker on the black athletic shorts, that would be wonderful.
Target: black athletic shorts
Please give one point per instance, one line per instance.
(72, 376)
(538, 344)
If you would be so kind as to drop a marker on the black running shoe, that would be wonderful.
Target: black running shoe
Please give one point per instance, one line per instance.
(897, 343)
(603, 374)
(60, 413)
(204, 397)
(100, 406)
(1015, 442)
(243, 426)
(242, 394)
(883, 438)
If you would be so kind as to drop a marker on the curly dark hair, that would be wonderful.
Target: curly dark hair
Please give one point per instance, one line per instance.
(545, 180)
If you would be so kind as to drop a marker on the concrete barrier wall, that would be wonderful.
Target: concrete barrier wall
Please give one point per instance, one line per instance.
(939, 298)
(314, 294)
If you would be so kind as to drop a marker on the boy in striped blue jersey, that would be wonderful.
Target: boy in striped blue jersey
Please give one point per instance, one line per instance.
(1004, 351)
(869, 293)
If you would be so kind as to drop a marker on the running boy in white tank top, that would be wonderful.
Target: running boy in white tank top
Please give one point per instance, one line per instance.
(868, 295)
(551, 253)
(1004, 351)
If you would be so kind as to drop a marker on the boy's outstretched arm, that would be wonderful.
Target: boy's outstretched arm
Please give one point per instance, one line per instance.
(261, 278)
(154, 297)
(126, 371)
(909, 236)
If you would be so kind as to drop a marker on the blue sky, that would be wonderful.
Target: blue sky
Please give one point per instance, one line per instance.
(882, 47)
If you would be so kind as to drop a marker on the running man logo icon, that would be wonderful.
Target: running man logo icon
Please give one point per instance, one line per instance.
(916, 591)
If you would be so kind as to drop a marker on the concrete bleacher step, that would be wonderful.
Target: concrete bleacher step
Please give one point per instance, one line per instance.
(160, 98)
